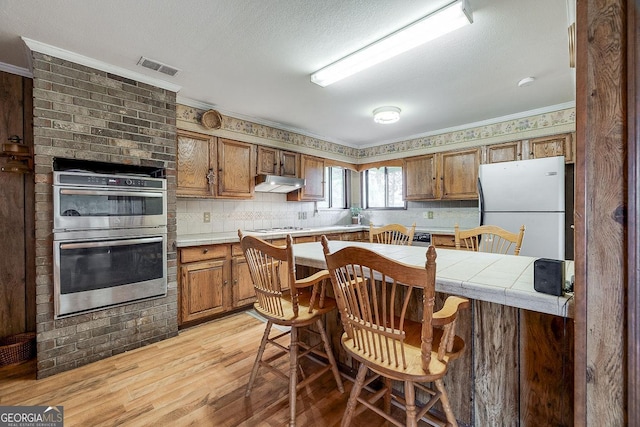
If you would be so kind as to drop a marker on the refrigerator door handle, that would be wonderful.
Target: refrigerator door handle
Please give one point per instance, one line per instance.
(480, 202)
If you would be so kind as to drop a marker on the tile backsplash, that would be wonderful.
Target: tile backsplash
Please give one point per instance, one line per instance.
(272, 210)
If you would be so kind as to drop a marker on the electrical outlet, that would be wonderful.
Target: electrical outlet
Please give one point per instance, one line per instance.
(206, 217)
(425, 215)
(430, 214)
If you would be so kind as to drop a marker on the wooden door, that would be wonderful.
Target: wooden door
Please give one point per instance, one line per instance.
(557, 145)
(242, 292)
(289, 164)
(236, 166)
(507, 152)
(203, 289)
(268, 162)
(195, 163)
(17, 284)
(419, 175)
(459, 179)
(312, 170)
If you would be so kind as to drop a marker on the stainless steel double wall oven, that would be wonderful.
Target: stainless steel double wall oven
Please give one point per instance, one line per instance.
(110, 240)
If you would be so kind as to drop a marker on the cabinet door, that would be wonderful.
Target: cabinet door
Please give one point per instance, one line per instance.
(268, 161)
(419, 175)
(459, 177)
(236, 166)
(195, 163)
(203, 289)
(557, 145)
(242, 292)
(507, 152)
(289, 164)
(312, 170)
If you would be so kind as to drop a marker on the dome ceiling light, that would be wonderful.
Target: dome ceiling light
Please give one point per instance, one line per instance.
(386, 115)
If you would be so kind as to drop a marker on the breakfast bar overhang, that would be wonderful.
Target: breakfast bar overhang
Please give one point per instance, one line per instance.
(517, 368)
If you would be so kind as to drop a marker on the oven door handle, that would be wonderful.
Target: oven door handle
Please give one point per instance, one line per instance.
(100, 244)
(70, 191)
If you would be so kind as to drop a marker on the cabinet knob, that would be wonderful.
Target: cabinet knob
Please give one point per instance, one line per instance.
(235, 281)
(205, 250)
(226, 281)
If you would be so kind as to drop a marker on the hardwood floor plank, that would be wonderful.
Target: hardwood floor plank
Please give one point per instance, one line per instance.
(195, 379)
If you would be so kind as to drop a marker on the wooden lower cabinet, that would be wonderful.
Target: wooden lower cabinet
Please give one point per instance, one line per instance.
(203, 289)
(242, 292)
(214, 280)
(445, 241)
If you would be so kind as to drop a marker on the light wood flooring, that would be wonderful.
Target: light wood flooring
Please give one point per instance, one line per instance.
(195, 379)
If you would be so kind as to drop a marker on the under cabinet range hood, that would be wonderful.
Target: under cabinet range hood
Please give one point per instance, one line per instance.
(277, 184)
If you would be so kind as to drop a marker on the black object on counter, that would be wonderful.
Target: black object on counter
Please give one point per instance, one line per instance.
(548, 276)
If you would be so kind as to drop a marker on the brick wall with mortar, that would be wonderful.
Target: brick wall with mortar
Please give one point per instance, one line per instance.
(87, 114)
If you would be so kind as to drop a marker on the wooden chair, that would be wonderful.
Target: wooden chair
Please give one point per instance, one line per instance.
(301, 305)
(489, 238)
(380, 335)
(392, 234)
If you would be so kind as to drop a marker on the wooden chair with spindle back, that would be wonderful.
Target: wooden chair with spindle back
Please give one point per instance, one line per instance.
(489, 238)
(374, 294)
(297, 304)
(392, 234)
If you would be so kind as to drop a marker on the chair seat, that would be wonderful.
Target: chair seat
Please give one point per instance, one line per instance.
(437, 369)
(413, 344)
(303, 317)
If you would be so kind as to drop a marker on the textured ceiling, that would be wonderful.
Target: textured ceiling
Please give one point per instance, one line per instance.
(253, 58)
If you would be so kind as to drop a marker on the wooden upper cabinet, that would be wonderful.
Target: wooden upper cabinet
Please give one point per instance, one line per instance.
(312, 170)
(506, 152)
(459, 174)
(289, 164)
(196, 164)
(267, 163)
(550, 146)
(277, 162)
(419, 175)
(236, 166)
(449, 175)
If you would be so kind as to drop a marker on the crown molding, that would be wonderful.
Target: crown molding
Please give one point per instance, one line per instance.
(12, 69)
(206, 106)
(46, 49)
(493, 121)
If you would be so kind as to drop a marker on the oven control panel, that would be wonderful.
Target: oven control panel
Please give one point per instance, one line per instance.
(102, 180)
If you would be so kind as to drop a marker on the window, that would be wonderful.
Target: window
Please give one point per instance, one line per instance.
(335, 188)
(383, 187)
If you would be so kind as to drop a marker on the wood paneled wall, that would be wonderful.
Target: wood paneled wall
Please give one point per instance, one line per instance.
(600, 212)
(17, 301)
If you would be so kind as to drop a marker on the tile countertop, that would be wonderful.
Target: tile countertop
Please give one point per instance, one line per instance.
(185, 240)
(502, 279)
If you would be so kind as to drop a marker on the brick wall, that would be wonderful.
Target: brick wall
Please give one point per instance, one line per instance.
(87, 114)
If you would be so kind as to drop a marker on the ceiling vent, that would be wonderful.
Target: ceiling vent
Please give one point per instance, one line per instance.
(158, 66)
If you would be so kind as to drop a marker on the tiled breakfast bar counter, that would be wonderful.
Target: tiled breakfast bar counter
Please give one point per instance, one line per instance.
(517, 368)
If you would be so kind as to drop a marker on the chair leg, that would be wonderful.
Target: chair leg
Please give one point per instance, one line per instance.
(293, 375)
(410, 403)
(332, 360)
(444, 398)
(387, 395)
(256, 364)
(353, 398)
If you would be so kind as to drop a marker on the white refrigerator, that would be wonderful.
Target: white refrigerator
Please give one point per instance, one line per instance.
(529, 192)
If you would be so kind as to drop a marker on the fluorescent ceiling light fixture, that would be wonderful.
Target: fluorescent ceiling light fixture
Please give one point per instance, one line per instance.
(438, 23)
(386, 115)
